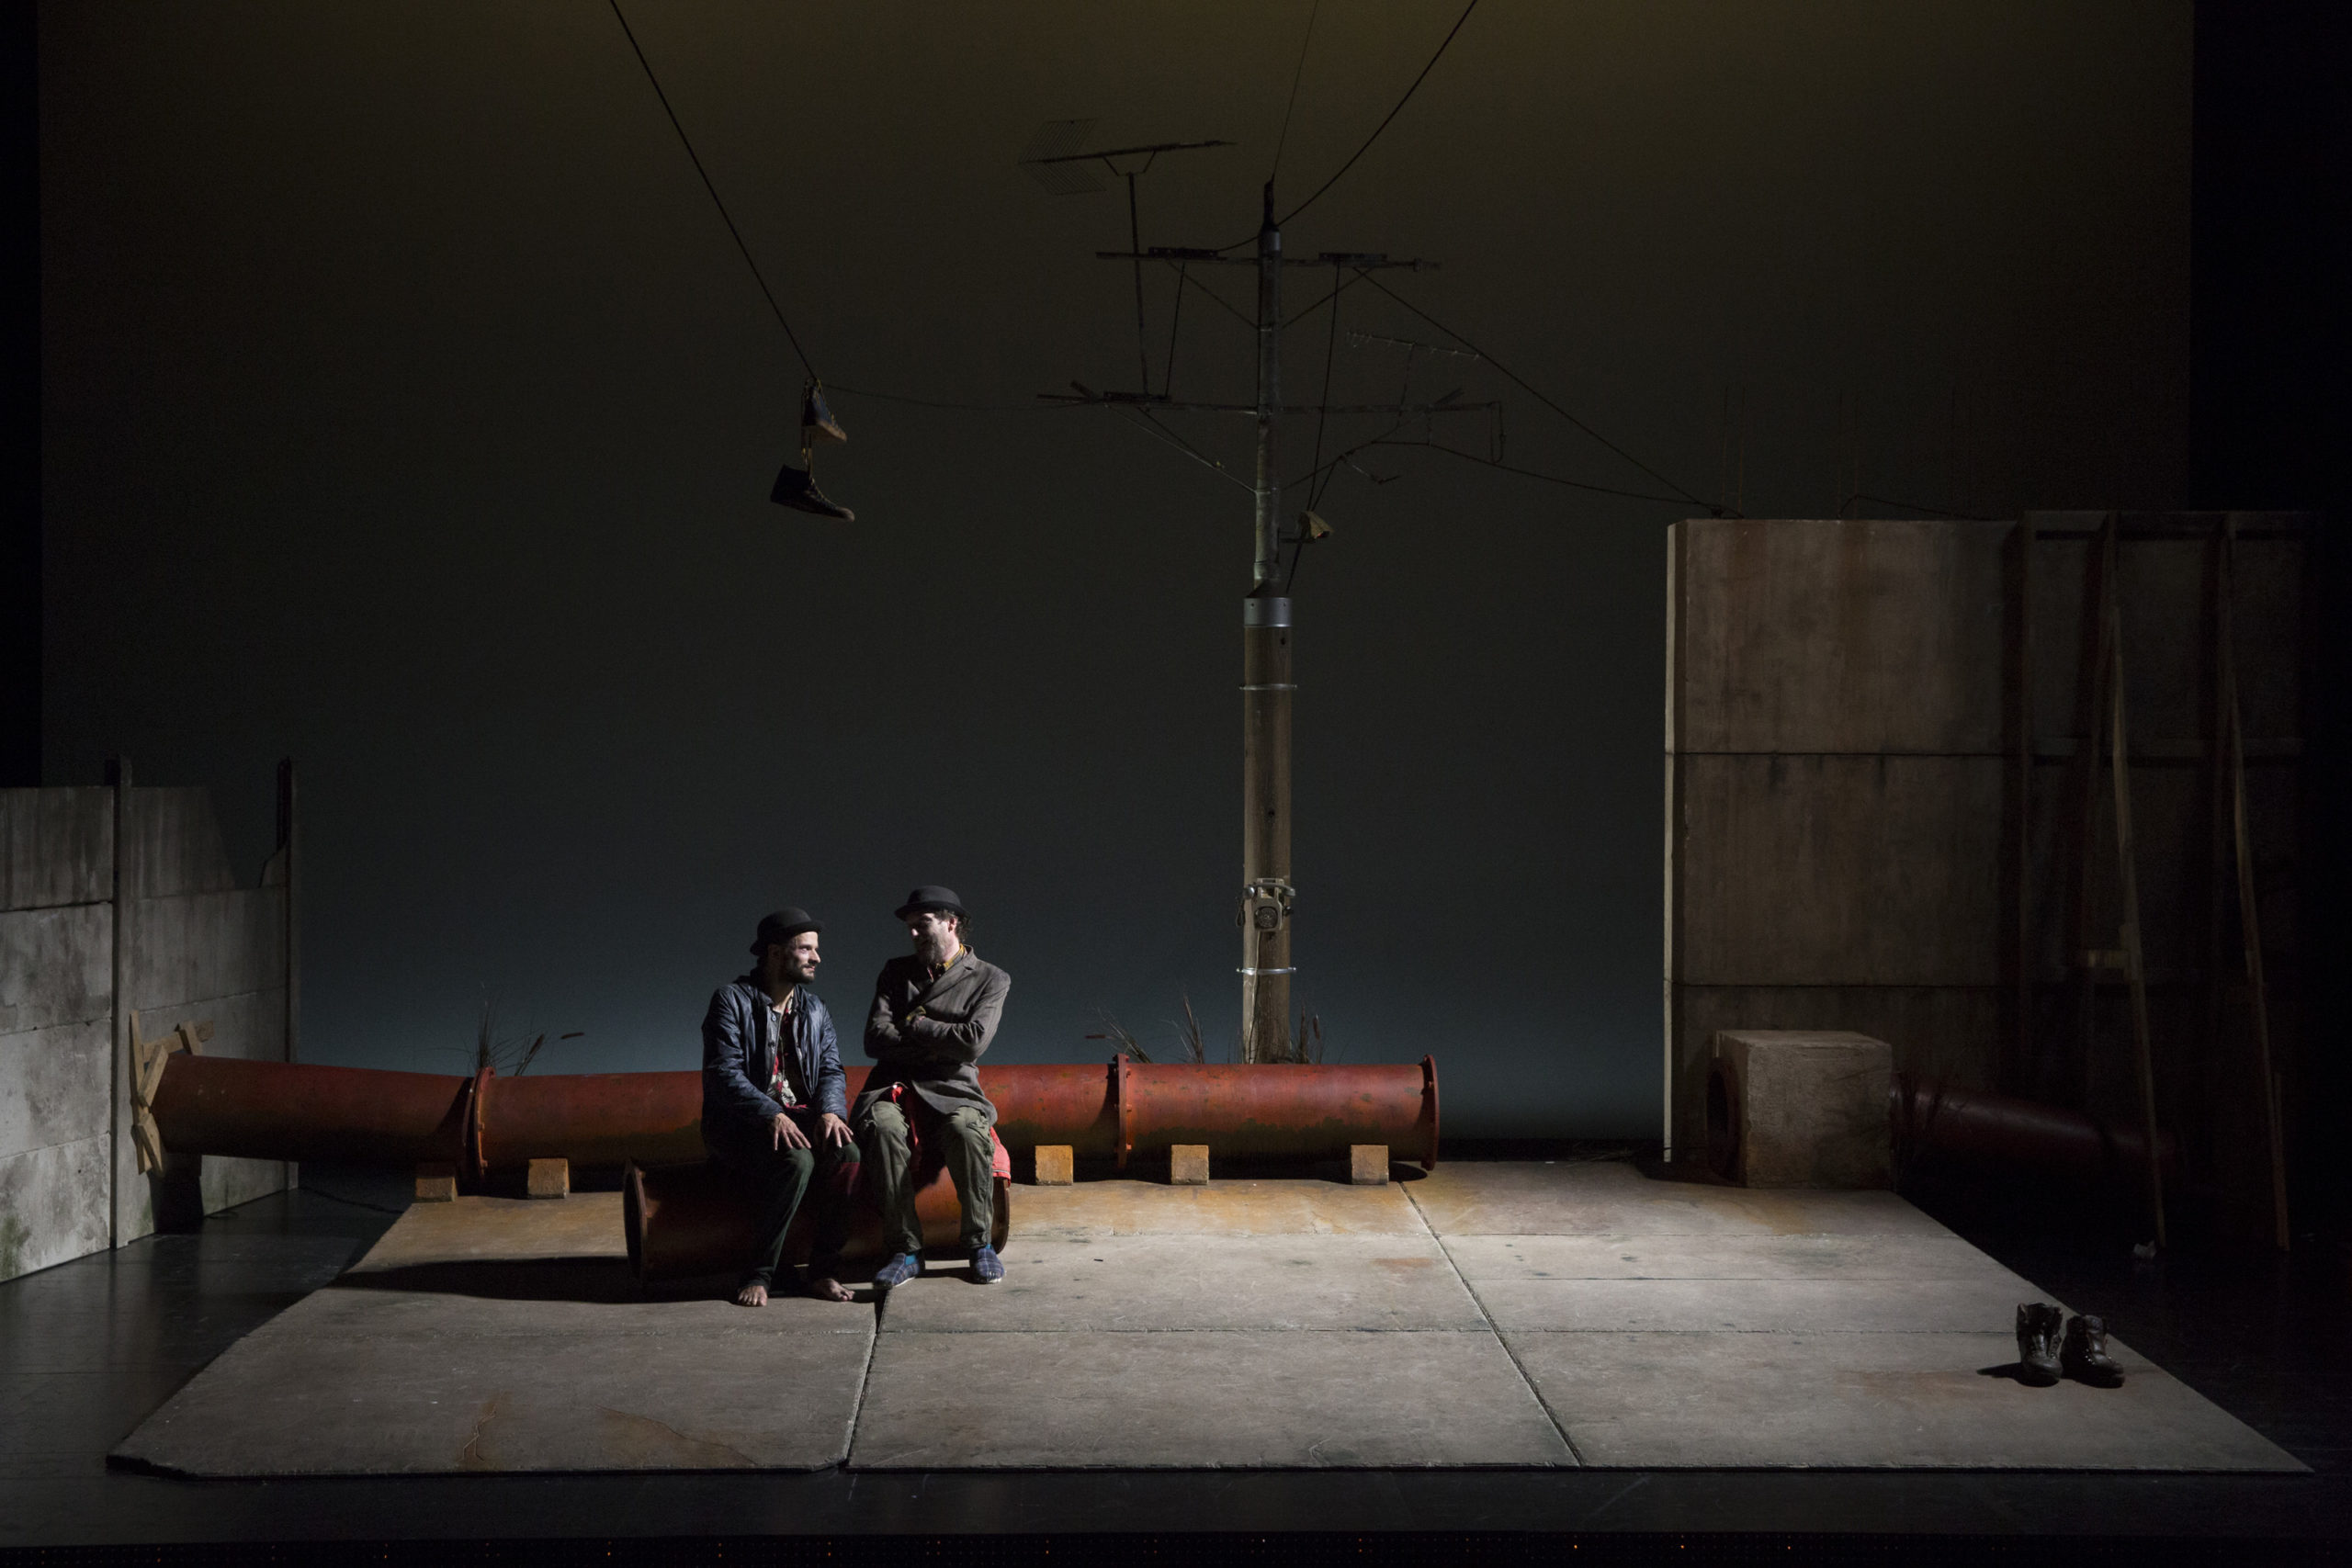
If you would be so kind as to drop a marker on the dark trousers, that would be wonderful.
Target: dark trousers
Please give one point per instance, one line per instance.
(782, 1178)
(959, 1138)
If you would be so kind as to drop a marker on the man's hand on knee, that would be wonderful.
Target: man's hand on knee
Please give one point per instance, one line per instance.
(787, 1132)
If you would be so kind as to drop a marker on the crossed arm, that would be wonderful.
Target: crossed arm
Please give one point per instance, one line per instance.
(916, 1039)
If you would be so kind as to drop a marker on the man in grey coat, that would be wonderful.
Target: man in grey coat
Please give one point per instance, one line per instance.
(935, 1011)
(772, 1102)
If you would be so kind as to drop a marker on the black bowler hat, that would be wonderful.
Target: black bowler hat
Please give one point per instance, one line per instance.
(783, 926)
(933, 899)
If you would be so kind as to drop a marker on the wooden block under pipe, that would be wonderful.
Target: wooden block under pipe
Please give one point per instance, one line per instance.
(1188, 1165)
(436, 1183)
(1054, 1164)
(1368, 1164)
(549, 1179)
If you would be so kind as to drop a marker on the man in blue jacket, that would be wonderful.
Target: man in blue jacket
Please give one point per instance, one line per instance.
(774, 1104)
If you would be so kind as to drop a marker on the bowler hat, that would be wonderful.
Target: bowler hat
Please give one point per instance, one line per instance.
(783, 926)
(932, 898)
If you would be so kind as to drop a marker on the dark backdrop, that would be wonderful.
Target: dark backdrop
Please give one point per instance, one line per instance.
(407, 411)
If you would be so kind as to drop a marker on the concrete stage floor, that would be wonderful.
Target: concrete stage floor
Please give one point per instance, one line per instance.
(1490, 1316)
(90, 1350)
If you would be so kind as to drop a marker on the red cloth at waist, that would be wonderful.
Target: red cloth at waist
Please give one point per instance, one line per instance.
(999, 1158)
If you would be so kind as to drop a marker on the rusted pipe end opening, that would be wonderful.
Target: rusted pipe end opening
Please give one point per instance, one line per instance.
(1723, 1123)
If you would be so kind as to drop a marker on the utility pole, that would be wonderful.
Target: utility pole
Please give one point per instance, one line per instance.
(1266, 688)
(1267, 891)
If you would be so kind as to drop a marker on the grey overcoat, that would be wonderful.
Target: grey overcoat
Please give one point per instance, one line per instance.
(927, 1033)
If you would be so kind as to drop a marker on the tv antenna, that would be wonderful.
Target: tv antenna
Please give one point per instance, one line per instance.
(1059, 159)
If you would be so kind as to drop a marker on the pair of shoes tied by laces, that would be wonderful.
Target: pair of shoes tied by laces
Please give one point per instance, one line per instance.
(2051, 1346)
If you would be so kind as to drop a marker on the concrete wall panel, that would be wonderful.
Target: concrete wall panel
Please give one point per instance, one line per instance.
(52, 1205)
(206, 944)
(1839, 635)
(175, 845)
(54, 1086)
(56, 965)
(56, 847)
(1840, 870)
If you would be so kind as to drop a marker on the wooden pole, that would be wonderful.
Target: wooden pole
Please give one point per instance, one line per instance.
(2249, 915)
(2022, 1037)
(1266, 688)
(2091, 705)
(2134, 959)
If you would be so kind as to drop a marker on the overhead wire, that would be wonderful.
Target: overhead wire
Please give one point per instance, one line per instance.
(1533, 391)
(687, 143)
(1296, 72)
(1551, 479)
(1399, 108)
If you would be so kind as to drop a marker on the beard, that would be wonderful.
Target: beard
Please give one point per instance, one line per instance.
(934, 946)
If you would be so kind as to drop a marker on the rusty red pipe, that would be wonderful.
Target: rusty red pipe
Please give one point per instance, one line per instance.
(219, 1105)
(1937, 1125)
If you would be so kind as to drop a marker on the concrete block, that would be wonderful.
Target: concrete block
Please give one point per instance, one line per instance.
(436, 1183)
(56, 847)
(1188, 1165)
(1053, 1165)
(56, 966)
(549, 1179)
(1368, 1164)
(1794, 1108)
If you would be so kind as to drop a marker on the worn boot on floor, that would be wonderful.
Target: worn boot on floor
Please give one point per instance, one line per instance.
(2085, 1358)
(2039, 1326)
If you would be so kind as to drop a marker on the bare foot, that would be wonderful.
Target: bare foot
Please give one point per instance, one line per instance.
(752, 1295)
(829, 1290)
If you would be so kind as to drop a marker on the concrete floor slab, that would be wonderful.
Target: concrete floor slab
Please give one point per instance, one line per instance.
(296, 1404)
(1203, 1282)
(1717, 1257)
(585, 1225)
(1611, 1197)
(1987, 1304)
(1210, 1400)
(1222, 1208)
(582, 1297)
(1872, 1401)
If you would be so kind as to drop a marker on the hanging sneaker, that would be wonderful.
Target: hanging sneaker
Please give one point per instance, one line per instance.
(796, 488)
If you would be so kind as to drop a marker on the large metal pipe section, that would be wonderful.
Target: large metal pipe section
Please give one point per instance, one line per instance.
(686, 1220)
(1938, 1124)
(219, 1105)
